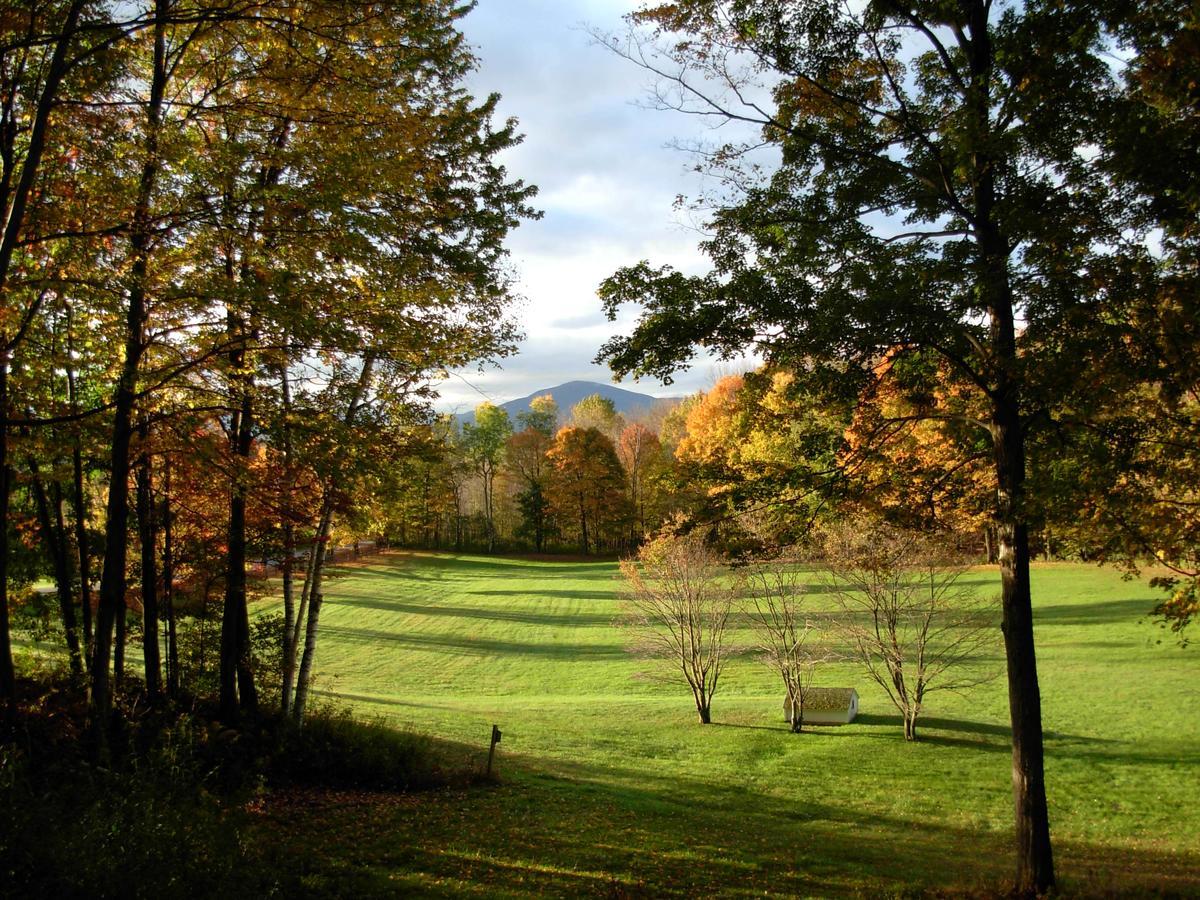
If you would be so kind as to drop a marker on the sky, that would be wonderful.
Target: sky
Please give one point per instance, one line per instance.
(607, 183)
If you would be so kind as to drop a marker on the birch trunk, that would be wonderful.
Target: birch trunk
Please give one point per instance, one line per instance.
(315, 594)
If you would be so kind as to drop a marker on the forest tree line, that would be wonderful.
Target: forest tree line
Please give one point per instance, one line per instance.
(240, 238)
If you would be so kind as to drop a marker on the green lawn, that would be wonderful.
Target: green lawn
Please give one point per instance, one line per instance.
(610, 787)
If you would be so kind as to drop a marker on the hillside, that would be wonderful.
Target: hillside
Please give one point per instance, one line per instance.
(567, 395)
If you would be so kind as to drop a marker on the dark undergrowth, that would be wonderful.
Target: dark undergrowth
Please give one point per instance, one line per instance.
(168, 812)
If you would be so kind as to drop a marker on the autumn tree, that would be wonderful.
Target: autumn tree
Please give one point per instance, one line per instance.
(586, 484)
(273, 221)
(763, 449)
(45, 53)
(599, 412)
(1124, 489)
(542, 415)
(526, 456)
(642, 458)
(160, 102)
(714, 426)
(677, 604)
(911, 453)
(966, 127)
(674, 422)
(417, 493)
(484, 441)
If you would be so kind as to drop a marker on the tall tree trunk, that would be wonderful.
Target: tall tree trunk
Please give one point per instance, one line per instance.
(488, 485)
(315, 593)
(79, 518)
(1035, 864)
(169, 583)
(289, 614)
(148, 536)
(55, 538)
(237, 676)
(236, 670)
(316, 555)
(8, 678)
(583, 529)
(289, 546)
(66, 594)
(112, 579)
(120, 645)
(315, 597)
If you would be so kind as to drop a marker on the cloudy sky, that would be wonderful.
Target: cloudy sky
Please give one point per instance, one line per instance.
(607, 181)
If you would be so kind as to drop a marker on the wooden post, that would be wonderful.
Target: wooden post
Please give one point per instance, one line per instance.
(492, 749)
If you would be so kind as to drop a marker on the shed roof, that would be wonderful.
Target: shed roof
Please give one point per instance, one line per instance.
(828, 699)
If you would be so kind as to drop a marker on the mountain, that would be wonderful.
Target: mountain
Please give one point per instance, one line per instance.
(567, 395)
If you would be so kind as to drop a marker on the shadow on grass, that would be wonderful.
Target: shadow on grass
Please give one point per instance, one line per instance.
(992, 736)
(783, 728)
(965, 726)
(336, 695)
(556, 828)
(475, 646)
(430, 566)
(566, 620)
(1106, 612)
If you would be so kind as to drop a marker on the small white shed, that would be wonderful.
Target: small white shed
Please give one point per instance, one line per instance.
(826, 706)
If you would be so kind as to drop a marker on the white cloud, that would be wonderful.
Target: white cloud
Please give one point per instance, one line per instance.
(607, 185)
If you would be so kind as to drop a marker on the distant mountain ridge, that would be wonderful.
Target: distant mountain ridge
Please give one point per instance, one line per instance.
(567, 395)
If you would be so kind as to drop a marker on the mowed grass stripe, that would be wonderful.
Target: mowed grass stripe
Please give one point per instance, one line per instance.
(609, 781)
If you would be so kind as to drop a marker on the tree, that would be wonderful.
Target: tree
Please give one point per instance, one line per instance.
(786, 636)
(763, 448)
(525, 456)
(904, 615)
(715, 425)
(641, 457)
(1125, 488)
(40, 48)
(542, 415)
(599, 412)
(586, 484)
(961, 126)
(677, 604)
(912, 455)
(264, 220)
(484, 441)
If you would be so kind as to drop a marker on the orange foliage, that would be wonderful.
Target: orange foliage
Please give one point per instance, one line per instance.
(714, 425)
(921, 455)
(586, 484)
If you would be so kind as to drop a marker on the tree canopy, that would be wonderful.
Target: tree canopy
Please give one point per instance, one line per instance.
(933, 192)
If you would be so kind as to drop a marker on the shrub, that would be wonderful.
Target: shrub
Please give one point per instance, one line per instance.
(335, 749)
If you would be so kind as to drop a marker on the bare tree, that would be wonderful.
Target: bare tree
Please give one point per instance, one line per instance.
(677, 603)
(905, 615)
(786, 634)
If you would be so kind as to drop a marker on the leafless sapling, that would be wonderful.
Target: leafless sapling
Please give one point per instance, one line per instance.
(677, 602)
(786, 634)
(904, 612)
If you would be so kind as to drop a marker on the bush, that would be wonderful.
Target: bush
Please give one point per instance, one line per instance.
(335, 749)
(169, 817)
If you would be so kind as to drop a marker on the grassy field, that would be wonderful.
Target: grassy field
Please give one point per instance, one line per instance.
(610, 787)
